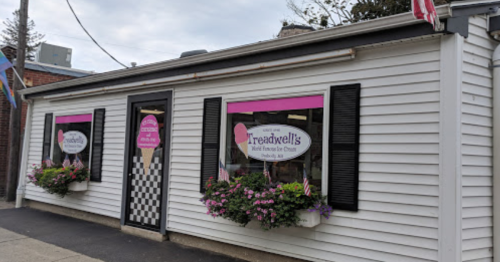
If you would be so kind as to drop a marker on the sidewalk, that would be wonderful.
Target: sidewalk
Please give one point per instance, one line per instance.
(30, 235)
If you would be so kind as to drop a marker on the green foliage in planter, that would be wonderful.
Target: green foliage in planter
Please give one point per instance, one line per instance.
(56, 180)
(249, 198)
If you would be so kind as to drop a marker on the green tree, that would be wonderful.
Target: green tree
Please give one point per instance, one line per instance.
(322, 14)
(10, 35)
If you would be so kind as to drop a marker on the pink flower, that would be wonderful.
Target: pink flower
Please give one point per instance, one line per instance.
(87, 179)
(259, 217)
(223, 200)
(272, 220)
(208, 212)
(256, 202)
(255, 214)
(248, 212)
(238, 185)
(279, 186)
(213, 202)
(209, 185)
(214, 215)
(73, 177)
(257, 195)
(271, 201)
(264, 211)
(250, 192)
(249, 196)
(281, 196)
(258, 209)
(272, 190)
(231, 186)
(223, 195)
(222, 211)
(220, 204)
(263, 194)
(273, 214)
(216, 193)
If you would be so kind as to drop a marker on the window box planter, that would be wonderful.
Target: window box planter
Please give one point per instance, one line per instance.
(78, 186)
(308, 219)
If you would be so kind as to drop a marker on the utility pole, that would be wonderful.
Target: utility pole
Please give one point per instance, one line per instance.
(15, 114)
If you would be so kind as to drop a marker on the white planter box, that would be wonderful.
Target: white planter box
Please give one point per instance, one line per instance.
(309, 219)
(78, 186)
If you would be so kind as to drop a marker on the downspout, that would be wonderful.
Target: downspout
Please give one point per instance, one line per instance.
(496, 154)
(24, 160)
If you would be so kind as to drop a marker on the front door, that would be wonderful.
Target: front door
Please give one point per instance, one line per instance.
(148, 137)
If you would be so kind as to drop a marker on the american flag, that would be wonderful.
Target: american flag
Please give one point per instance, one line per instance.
(223, 175)
(48, 162)
(77, 163)
(66, 162)
(425, 10)
(307, 190)
(266, 173)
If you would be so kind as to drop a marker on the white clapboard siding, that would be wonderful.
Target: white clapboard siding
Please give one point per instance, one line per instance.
(104, 197)
(399, 168)
(477, 135)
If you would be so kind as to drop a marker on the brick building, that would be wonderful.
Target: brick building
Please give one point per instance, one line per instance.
(34, 74)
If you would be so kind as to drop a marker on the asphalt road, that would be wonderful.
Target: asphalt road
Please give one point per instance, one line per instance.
(86, 241)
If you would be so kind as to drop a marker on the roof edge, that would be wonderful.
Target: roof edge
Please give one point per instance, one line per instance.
(385, 23)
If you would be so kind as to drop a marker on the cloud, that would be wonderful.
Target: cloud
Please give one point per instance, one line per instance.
(150, 31)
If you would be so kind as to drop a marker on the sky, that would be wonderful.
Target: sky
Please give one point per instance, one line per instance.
(149, 31)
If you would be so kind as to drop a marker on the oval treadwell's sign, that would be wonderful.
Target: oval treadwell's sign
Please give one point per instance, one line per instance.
(276, 143)
(74, 142)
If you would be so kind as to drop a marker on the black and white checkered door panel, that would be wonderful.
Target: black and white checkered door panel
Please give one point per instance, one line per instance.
(145, 195)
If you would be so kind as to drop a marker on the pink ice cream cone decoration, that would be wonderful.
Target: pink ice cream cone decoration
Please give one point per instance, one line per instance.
(60, 139)
(241, 138)
(148, 140)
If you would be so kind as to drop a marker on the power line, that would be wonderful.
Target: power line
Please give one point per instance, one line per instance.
(78, 20)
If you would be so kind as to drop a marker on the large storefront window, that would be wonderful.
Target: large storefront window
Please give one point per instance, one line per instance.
(72, 138)
(285, 135)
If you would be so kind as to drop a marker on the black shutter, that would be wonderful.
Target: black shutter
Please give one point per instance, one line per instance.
(47, 136)
(210, 140)
(344, 147)
(97, 145)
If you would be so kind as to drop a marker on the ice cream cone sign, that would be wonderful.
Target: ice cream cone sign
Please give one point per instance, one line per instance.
(148, 140)
(60, 139)
(241, 138)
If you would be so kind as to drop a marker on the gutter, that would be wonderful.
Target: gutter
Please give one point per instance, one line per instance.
(496, 154)
(391, 22)
(24, 160)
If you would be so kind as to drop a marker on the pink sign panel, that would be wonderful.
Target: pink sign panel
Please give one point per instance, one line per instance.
(294, 103)
(74, 119)
(148, 133)
(148, 139)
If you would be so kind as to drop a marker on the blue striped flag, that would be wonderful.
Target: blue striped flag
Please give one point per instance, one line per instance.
(66, 162)
(223, 174)
(77, 163)
(4, 84)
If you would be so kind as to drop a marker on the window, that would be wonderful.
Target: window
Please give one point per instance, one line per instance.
(285, 135)
(72, 138)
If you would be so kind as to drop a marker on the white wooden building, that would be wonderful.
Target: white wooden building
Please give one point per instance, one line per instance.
(425, 160)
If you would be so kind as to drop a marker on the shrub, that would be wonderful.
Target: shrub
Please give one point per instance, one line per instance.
(249, 198)
(56, 180)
